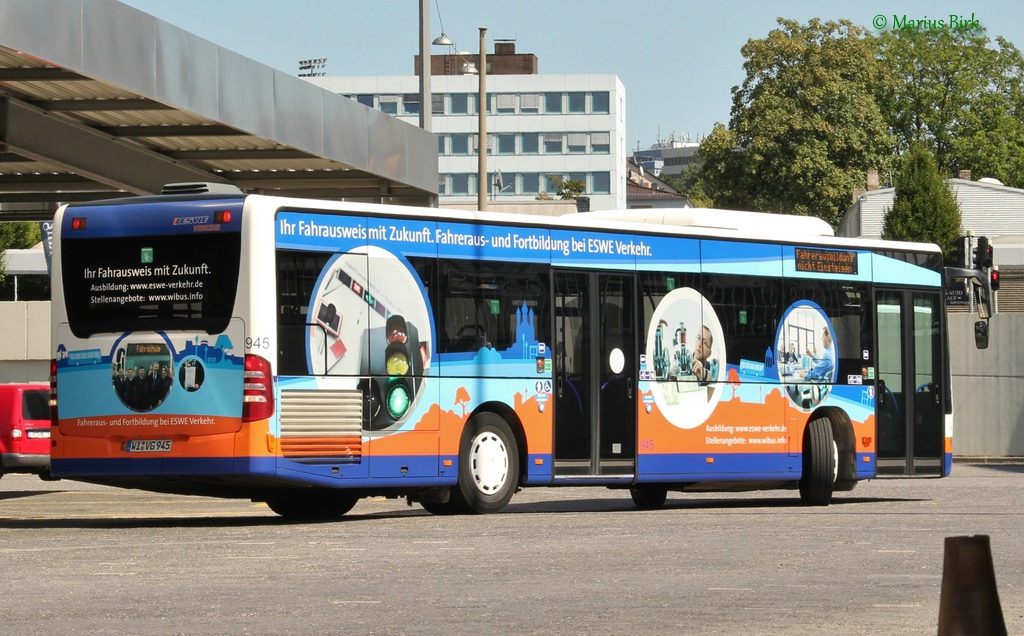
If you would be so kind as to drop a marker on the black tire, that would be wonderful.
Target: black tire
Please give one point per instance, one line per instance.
(439, 509)
(310, 504)
(488, 466)
(819, 463)
(648, 497)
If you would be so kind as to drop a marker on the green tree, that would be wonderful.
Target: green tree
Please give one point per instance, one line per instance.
(963, 96)
(804, 126)
(991, 140)
(16, 235)
(689, 182)
(567, 188)
(924, 208)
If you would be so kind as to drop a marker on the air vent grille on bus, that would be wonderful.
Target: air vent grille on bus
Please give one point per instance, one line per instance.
(322, 426)
(200, 187)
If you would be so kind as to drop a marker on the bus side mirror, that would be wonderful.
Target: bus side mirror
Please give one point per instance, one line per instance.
(981, 334)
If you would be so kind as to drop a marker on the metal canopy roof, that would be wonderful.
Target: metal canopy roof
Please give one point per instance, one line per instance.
(98, 100)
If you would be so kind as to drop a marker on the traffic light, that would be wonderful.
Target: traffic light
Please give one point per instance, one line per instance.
(993, 280)
(983, 255)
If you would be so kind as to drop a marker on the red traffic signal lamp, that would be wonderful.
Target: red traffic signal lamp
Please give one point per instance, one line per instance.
(993, 280)
(983, 254)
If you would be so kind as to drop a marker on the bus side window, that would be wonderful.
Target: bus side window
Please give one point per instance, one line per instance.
(493, 305)
(297, 273)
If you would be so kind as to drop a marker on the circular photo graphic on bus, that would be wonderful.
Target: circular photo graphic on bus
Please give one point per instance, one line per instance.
(141, 374)
(806, 354)
(686, 347)
(191, 374)
(370, 320)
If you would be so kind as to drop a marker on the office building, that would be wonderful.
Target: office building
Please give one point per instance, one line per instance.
(541, 129)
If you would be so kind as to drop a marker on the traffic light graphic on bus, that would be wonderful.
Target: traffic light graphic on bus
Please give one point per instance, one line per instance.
(371, 324)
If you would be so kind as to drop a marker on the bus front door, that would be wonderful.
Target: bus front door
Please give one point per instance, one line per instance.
(595, 374)
(911, 396)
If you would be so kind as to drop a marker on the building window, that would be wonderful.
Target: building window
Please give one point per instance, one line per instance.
(460, 103)
(531, 183)
(460, 184)
(600, 143)
(440, 144)
(365, 100)
(506, 103)
(442, 185)
(552, 143)
(529, 104)
(506, 144)
(579, 176)
(530, 143)
(504, 184)
(411, 104)
(602, 182)
(460, 144)
(599, 102)
(577, 143)
(577, 102)
(553, 103)
(550, 183)
(490, 144)
(437, 104)
(388, 104)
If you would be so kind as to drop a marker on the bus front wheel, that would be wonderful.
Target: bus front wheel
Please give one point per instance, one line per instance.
(820, 463)
(488, 465)
(310, 504)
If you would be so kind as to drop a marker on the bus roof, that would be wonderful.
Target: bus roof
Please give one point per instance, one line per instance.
(694, 222)
(712, 218)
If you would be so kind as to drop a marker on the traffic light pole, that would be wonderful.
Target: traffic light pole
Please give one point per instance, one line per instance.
(974, 266)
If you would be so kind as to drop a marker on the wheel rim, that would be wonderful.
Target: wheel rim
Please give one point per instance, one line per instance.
(835, 461)
(489, 463)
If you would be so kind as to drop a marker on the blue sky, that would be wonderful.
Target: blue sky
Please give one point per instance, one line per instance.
(677, 59)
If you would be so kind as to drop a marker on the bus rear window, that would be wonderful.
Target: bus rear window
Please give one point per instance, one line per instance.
(151, 282)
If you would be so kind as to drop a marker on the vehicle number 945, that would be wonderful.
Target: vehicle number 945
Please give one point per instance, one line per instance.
(257, 343)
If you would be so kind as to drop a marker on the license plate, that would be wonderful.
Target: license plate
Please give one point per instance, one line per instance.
(38, 434)
(148, 446)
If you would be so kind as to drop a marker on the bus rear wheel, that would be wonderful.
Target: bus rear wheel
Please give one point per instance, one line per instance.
(820, 463)
(441, 509)
(648, 497)
(310, 504)
(488, 466)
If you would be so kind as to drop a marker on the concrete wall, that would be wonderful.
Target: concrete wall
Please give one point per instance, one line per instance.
(988, 387)
(25, 341)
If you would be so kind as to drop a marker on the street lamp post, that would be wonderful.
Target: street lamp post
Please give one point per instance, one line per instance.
(426, 99)
(482, 181)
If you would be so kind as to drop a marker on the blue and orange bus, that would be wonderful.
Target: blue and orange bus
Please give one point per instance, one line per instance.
(309, 353)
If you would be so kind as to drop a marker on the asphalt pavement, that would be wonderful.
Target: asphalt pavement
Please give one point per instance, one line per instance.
(84, 559)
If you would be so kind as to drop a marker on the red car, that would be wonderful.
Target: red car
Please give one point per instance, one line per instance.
(25, 429)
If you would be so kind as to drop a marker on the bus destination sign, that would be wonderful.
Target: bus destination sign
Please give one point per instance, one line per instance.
(826, 261)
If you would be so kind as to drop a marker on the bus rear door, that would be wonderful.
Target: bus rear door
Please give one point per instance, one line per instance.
(595, 373)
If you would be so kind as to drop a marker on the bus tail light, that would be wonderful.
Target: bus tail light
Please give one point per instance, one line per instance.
(53, 393)
(258, 390)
